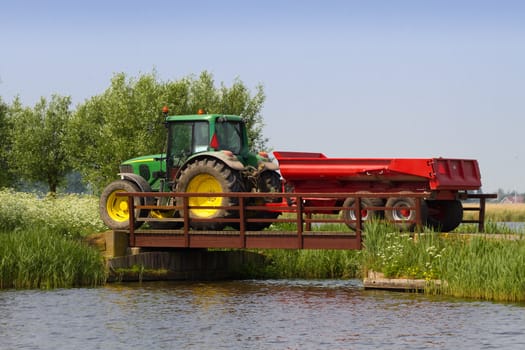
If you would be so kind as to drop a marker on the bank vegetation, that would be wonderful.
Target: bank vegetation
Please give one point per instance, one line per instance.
(41, 246)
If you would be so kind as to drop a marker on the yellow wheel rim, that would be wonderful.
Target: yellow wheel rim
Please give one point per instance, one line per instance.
(117, 207)
(162, 214)
(204, 183)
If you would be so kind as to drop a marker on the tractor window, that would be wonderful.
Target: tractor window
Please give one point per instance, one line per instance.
(187, 138)
(201, 137)
(229, 135)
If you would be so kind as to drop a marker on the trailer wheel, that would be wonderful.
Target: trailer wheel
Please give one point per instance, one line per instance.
(401, 215)
(114, 210)
(208, 175)
(366, 214)
(270, 181)
(444, 215)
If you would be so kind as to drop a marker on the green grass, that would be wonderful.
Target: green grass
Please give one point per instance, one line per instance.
(43, 259)
(492, 269)
(40, 241)
(288, 263)
(485, 267)
(70, 215)
(40, 247)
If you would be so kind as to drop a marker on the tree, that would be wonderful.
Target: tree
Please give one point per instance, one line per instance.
(6, 178)
(126, 120)
(38, 134)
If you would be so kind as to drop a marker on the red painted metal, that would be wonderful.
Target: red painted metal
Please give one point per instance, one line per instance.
(314, 172)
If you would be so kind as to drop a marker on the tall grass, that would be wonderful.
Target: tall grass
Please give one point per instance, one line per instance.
(484, 268)
(40, 241)
(286, 263)
(478, 267)
(43, 259)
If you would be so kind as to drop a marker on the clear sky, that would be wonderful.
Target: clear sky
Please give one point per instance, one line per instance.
(370, 78)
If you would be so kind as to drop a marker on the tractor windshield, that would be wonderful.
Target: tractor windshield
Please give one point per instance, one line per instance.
(229, 135)
(187, 138)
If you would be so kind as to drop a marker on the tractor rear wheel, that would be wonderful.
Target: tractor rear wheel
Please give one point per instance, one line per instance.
(114, 210)
(213, 176)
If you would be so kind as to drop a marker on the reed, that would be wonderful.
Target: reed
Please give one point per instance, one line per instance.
(42, 259)
(483, 267)
(284, 263)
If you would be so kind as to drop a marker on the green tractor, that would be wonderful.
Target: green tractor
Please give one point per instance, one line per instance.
(206, 153)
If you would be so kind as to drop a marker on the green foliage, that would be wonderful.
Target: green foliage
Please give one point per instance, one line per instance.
(400, 254)
(40, 241)
(71, 215)
(126, 120)
(36, 258)
(286, 263)
(38, 141)
(485, 267)
(6, 177)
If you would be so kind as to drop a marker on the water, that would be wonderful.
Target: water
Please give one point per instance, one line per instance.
(284, 314)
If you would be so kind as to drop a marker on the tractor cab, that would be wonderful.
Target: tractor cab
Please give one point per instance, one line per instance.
(199, 135)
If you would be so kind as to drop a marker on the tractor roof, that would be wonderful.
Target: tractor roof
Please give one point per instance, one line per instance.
(208, 117)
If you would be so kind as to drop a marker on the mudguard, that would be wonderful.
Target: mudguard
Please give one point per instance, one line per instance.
(225, 157)
(137, 180)
(263, 165)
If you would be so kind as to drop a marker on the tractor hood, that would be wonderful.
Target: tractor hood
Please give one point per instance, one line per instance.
(145, 166)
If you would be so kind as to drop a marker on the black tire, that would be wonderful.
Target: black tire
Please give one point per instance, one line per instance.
(209, 175)
(444, 215)
(405, 217)
(366, 214)
(114, 210)
(268, 181)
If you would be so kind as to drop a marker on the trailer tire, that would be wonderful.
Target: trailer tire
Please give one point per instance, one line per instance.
(270, 181)
(114, 210)
(444, 215)
(402, 217)
(366, 215)
(209, 175)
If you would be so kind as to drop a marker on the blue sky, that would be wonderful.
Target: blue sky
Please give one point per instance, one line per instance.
(346, 78)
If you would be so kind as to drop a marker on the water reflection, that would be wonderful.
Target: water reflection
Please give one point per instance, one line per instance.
(281, 314)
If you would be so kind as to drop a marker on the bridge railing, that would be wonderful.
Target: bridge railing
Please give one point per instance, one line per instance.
(312, 219)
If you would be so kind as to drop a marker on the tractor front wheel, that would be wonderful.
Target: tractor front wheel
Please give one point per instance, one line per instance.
(114, 210)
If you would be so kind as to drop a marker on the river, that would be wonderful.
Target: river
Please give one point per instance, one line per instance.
(274, 314)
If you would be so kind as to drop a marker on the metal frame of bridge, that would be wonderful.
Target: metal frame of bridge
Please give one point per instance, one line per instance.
(310, 232)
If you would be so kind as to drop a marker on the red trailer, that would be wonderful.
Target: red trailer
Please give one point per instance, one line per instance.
(446, 180)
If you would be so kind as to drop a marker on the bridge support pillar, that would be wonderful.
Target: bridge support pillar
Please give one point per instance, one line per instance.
(183, 264)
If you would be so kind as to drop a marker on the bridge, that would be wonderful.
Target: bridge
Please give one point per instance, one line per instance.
(308, 227)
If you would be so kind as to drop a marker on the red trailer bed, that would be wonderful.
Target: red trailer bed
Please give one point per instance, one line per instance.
(315, 172)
